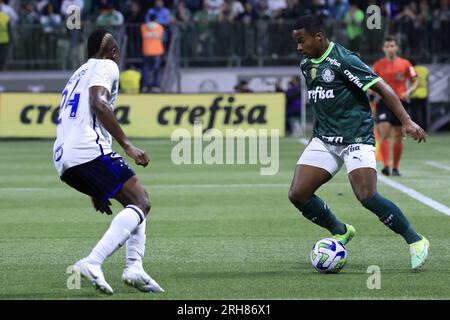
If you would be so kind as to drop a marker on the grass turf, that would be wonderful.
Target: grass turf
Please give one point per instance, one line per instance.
(218, 232)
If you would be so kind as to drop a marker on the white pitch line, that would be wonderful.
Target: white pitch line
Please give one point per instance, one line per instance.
(438, 165)
(416, 195)
(6, 189)
(411, 192)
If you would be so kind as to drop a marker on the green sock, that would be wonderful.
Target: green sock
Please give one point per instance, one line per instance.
(392, 217)
(318, 212)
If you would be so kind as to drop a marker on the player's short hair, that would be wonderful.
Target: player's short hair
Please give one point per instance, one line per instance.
(390, 39)
(95, 41)
(311, 23)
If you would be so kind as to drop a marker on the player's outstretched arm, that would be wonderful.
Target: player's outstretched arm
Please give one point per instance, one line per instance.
(99, 97)
(393, 102)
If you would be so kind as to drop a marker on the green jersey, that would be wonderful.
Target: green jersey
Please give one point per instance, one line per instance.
(337, 83)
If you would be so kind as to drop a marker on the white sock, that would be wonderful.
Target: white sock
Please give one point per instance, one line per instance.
(119, 231)
(135, 246)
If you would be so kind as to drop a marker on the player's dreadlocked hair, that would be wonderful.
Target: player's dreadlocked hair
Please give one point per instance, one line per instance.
(96, 42)
(311, 23)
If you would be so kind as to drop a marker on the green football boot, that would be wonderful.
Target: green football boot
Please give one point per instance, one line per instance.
(419, 253)
(347, 236)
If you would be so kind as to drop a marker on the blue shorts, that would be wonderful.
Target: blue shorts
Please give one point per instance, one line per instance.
(100, 178)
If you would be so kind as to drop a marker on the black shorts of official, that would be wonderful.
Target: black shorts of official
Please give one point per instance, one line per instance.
(385, 114)
(100, 178)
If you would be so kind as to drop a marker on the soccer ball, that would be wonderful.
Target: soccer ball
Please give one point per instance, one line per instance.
(328, 256)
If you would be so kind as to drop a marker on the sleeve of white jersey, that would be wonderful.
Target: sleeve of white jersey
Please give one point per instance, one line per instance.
(105, 73)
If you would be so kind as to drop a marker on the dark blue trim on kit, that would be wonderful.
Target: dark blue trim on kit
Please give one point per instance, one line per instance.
(98, 136)
(141, 218)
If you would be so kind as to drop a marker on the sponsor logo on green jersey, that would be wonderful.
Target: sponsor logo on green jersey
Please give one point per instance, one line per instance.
(353, 78)
(320, 93)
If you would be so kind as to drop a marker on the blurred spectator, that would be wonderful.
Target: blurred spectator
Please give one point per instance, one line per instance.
(193, 5)
(153, 51)
(276, 8)
(161, 12)
(214, 6)
(354, 19)
(29, 16)
(292, 10)
(225, 12)
(130, 80)
(4, 37)
(50, 22)
(202, 19)
(337, 13)
(163, 17)
(338, 10)
(40, 5)
(49, 19)
(405, 26)
(109, 17)
(293, 107)
(236, 8)
(419, 98)
(28, 20)
(242, 87)
(262, 28)
(319, 8)
(182, 14)
(134, 19)
(262, 11)
(135, 14)
(248, 15)
(9, 11)
(440, 27)
(224, 32)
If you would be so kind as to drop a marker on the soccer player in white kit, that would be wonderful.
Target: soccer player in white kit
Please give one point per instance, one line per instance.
(84, 159)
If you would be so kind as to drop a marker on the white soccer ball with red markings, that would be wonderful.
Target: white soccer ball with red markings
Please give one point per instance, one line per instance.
(328, 255)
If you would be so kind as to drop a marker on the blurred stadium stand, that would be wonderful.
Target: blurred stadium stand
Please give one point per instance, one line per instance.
(245, 39)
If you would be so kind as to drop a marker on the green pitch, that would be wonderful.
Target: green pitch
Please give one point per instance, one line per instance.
(218, 232)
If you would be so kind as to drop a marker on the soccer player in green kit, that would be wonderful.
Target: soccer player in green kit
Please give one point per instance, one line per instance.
(337, 81)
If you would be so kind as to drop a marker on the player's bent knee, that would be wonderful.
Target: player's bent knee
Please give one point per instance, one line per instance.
(142, 202)
(364, 195)
(298, 197)
(145, 205)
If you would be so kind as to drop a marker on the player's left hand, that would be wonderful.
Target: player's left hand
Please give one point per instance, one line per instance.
(404, 96)
(413, 130)
(102, 206)
(139, 156)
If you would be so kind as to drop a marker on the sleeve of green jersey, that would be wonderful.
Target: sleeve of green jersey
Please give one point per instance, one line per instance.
(359, 73)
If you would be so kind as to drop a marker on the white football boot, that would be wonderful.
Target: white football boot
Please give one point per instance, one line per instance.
(139, 279)
(94, 274)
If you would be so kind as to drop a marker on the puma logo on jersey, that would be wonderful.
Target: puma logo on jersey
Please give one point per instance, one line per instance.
(320, 93)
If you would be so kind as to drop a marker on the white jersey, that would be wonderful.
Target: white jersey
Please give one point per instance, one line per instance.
(80, 136)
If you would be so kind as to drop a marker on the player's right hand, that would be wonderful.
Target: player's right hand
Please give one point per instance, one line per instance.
(102, 206)
(415, 131)
(139, 156)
